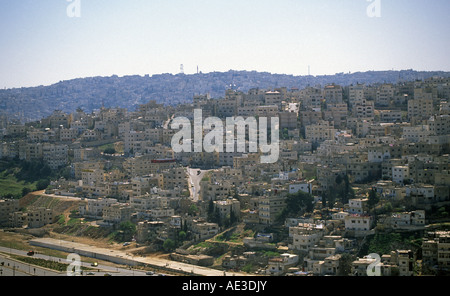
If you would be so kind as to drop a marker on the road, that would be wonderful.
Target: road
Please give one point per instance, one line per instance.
(120, 256)
(13, 267)
(194, 182)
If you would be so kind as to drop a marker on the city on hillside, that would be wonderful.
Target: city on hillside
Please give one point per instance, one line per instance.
(362, 180)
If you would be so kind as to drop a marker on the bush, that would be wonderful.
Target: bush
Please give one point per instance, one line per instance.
(42, 184)
(169, 245)
(109, 151)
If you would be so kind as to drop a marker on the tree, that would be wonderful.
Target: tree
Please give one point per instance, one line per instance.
(373, 198)
(169, 245)
(42, 184)
(109, 150)
(296, 205)
(25, 191)
(128, 229)
(345, 264)
(182, 236)
(193, 210)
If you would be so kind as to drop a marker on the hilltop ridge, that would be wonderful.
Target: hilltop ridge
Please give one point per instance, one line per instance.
(34, 103)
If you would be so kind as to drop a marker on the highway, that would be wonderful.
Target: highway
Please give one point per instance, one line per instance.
(11, 267)
(119, 256)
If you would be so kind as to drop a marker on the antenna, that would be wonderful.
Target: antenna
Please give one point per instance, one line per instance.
(309, 70)
(181, 69)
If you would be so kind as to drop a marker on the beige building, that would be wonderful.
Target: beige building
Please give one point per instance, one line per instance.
(39, 217)
(421, 108)
(320, 132)
(7, 206)
(269, 207)
(117, 213)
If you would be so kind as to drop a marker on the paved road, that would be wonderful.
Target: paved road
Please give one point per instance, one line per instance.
(11, 267)
(119, 256)
(194, 182)
(25, 269)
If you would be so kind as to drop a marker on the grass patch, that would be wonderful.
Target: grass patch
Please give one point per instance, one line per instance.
(10, 185)
(57, 266)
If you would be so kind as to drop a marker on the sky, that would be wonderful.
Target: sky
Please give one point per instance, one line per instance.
(47, 41)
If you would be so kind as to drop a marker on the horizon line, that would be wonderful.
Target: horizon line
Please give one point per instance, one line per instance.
(211, 72)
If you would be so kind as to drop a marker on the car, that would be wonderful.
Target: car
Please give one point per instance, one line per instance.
(126, 244)
(107, 274)
(149, 273)
(95, 264)
(90, 273)
(30, 253)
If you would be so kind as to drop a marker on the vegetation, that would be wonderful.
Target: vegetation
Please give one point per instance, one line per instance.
(342, 191)
(297, 204)
(19, 177)
(385, 242)
(58, 266)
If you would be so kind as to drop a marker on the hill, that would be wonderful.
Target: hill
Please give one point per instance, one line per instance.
(34, 103)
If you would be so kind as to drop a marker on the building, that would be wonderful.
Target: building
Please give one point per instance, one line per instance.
(94, 207)
(269, 207)
(7, 206)
(400, 174)
(358, 206)
(279, 265)
(202, 230)
(421, 108)
(359, 224)
(320, 132)
(301, 186)
(117, 213)
(228, 206)
(39, 217)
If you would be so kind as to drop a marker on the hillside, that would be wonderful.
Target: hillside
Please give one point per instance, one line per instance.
(34, 103)
(60, 206)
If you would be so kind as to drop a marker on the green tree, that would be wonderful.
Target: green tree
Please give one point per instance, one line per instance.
(296, 205)
(42, 184)
(345, 264)
(25, 191)
(109, 150)
(169, 245)
(373, 198)
(193, 210)
(182, 236)
(128, 229)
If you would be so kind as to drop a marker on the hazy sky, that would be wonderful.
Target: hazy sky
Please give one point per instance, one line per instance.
(41, 44)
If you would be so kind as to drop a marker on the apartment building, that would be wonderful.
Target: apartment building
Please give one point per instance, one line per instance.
(228, 206)
(279, 265)
(93, 208)
(421, 108)
(320, 132)
(439, 125)
(333, 94)
(269, 207)
(39, 217)
(55, 155)
(7, 206)
(117, 213)
(436, 252)
(358, 223)
(305, 236)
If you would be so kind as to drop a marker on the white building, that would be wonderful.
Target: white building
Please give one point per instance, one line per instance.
(400, 174)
